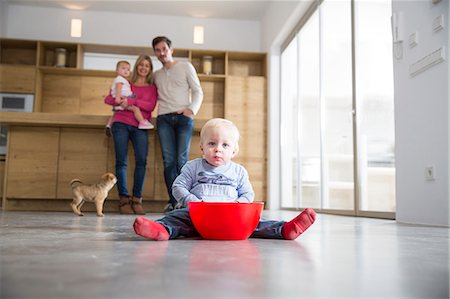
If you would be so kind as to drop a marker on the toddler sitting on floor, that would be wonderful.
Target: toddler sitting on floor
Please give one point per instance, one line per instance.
(212, 178)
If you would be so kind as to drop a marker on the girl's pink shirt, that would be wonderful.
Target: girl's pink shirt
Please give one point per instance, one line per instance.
(145, 99)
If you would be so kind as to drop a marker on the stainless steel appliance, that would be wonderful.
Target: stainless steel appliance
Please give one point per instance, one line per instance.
(13, 102)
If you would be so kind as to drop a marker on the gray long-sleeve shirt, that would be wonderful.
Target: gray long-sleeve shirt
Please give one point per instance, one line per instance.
(178, 88)
(200, 181)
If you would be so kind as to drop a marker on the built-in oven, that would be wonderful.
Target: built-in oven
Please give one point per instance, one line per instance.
(13, 102)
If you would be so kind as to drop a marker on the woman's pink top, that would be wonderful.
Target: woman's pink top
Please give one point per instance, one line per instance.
(145, 99)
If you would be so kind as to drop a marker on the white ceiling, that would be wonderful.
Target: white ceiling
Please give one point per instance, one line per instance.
(225, 9)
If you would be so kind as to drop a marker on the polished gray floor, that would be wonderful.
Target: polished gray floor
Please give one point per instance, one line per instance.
(60, 255)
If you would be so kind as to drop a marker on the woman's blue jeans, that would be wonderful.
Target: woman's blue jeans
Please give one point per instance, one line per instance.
(175, 133)
(122, 134)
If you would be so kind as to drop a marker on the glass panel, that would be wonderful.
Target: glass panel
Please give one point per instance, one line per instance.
(309, 97)
(375, 106)
(289, 132)
(336, 101)
(107, 61)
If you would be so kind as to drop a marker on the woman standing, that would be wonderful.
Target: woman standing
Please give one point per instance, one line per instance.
(125, 129)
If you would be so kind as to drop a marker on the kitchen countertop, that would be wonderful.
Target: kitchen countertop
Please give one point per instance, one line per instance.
(45, 119)
(52, 119)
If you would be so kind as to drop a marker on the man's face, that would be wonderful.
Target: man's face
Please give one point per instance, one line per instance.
(163, 52)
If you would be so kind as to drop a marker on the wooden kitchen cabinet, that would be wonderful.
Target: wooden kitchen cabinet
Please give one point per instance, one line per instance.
(213, 98)
(18, 52)
(18, 61)
(246, 64)
(83, 155)
(17, 78)
(73, 91)
(32, 162)
(250, 117)
(235, 89)
(47, 56)
(43, 160)
(218, 68)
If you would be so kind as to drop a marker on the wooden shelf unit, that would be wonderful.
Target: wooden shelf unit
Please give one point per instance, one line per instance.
(46, 52)
(18, 52)
(236, 89)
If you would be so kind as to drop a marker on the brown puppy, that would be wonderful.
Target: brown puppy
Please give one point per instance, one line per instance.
(96, 193)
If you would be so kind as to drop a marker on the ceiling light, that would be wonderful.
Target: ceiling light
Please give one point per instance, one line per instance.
(198, 35)
(75, 28)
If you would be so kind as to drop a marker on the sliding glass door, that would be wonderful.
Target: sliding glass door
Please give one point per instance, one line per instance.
(289, 120)
(336, 105)
(374, 94)
(337, 110)
(301, 146)
(309, 114)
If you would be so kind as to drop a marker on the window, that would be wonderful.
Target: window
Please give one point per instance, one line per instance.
(331, 106)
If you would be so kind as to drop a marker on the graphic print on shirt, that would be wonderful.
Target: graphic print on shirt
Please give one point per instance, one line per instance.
(216, 179)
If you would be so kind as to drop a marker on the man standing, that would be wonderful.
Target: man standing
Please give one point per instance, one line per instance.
(179, 99)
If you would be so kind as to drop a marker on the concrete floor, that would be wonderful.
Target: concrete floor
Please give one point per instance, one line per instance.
(60, 255)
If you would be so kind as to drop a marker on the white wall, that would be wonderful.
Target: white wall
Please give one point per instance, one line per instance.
(422, 118)
(43, 23)
(278, 21)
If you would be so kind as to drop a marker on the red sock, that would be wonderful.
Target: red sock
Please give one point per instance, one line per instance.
(296, 227)
(150, 229)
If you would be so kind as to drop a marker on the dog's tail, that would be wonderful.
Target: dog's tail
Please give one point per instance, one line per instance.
(75, 181)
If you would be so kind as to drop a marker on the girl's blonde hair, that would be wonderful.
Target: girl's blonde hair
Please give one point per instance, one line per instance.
(134, 75)
(121, 62)
(222, 123)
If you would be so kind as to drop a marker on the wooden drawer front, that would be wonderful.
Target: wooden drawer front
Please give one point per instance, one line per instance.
(32, 162)
(83, 155)
(17, 78)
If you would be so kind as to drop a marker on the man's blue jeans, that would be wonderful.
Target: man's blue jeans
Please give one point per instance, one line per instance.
(122, 134)
(175, 132)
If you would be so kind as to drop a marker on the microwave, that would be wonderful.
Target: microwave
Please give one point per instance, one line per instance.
(13, 102)
(16, 102)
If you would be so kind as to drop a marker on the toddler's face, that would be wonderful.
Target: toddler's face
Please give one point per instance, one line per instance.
(218, 147)
(124, 70)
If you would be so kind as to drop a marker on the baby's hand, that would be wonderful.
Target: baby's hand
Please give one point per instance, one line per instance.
(132, 108)
(124, 103)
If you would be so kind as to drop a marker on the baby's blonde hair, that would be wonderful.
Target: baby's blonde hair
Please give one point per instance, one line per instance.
(120, 62)
(216, 123)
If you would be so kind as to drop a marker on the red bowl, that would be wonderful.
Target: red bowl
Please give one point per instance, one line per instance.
(225, 220)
